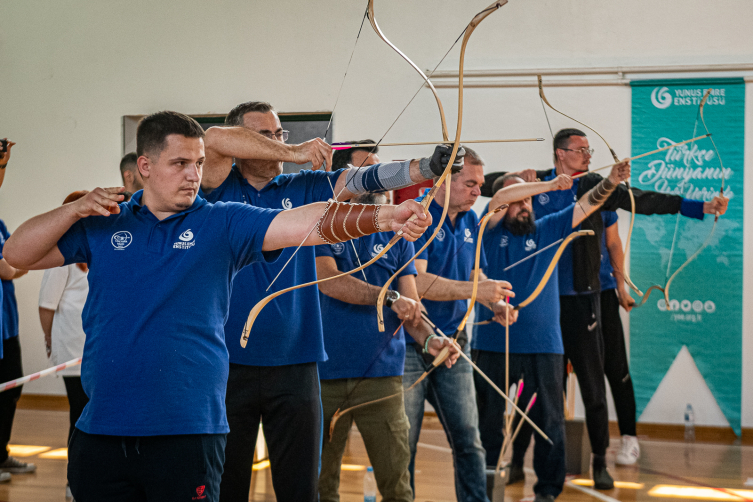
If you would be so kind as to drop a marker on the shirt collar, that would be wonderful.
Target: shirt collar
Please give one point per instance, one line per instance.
(277, 180)
(135, 204)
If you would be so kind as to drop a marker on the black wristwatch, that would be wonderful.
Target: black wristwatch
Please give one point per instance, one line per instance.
(391, 297)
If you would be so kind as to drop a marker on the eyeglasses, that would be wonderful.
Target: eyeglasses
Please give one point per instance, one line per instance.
(279, 136)
(582, 151)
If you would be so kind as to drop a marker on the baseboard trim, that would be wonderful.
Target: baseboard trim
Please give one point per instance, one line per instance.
(43, 402)
(676, 432)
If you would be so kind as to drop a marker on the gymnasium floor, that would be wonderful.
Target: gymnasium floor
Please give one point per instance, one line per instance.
(698, 471)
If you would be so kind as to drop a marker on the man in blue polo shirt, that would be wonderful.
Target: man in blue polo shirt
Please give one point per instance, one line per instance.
(365, 365)
(535, 339)
(444, 273)
(155, 360)
(286, 341)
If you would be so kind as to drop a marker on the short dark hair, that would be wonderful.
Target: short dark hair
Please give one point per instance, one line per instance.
(499, 183)
(562, 139)
(473, 156)
(153, 130)
(128, 163)
(341, 158)
(235, 117)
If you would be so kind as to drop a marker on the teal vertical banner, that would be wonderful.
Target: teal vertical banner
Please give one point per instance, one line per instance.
(706, 297)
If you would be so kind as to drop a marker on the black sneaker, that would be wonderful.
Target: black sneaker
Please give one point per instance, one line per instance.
(602, 479)
(516, 474)
(543, 498)
(15, 466)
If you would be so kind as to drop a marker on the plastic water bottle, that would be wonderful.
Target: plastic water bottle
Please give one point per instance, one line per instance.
(689, 424)
(369, 486)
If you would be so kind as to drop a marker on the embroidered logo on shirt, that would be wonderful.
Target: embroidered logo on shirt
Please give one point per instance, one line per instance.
(185, 237)
(468, 237)
(337, 248)
(377, 249)
(286, 204)
(543, 199)
(440, 235)
(121, 240)
(504, 241)
(200, 493)
(530, 245)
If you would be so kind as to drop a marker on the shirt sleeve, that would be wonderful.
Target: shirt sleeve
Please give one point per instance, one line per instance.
(323, 250)
(692, 208)
(319, 189)
(407, 250)
(53, 287)
(246, 228)
(609, 217)
(558, 225)
(74, 244)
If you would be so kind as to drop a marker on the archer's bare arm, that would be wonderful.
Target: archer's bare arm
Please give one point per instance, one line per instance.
(34, 245)
(584, 208)
(441, 289)
(617, 258)
(223, 144)
(520, 191)
(293, 226)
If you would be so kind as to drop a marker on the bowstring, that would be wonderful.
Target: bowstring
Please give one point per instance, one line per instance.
(376, 145)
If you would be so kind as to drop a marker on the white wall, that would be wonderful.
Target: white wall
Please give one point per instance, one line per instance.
(70, 70)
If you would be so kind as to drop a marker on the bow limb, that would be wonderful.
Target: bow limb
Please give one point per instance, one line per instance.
(477, 266)
(456, 144)
(262, 303)
(716, 217)
(628, 281)
(552, 266)
(380, 34)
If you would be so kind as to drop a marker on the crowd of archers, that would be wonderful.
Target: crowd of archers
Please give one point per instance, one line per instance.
(167, 403)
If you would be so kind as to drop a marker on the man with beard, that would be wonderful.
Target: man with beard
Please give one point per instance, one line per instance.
(536, 349)
(274, 379)
(444, 281)
(579, 283)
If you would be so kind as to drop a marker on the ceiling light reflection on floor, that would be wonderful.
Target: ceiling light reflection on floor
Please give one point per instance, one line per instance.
(698, 493)
(59, 454)
(25, 450)
(617, 484)
(352, 467)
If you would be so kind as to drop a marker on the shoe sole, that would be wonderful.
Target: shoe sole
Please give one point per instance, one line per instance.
(18, 471)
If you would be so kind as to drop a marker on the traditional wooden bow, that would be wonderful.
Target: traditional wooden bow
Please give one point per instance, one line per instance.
(547, 274)
(446, 175)
(628, 281)
(716, 217)
(429, 197)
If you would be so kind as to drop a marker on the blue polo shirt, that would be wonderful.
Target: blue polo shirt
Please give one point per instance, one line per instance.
(289, 329)
(10, 306)
(451, 255)
(537, 330)
(155, 361)
(1, 306)
(551, 202)
(354, 344)
(606, 271)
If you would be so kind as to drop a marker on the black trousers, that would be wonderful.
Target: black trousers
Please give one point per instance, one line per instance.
(616, 363)
(10, 369)
(77, 399)
(286, 399)
(542, 373)
(580, 320)
(145, 469)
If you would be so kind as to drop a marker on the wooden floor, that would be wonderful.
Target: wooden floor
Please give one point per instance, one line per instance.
(698, 465)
